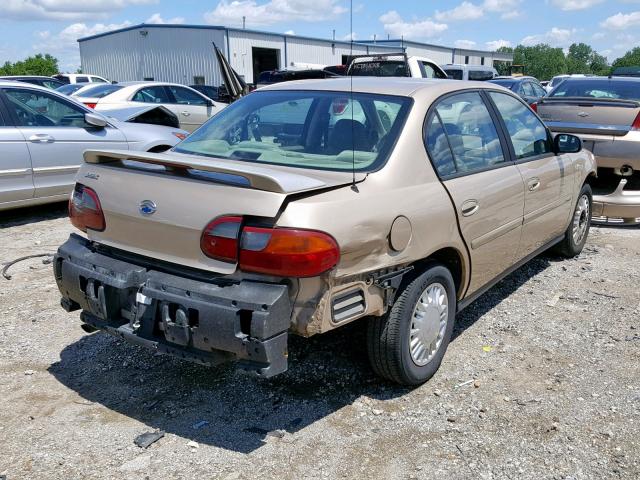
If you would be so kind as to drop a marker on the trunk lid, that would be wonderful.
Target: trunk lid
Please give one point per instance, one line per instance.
(588, 115)
(186, 193)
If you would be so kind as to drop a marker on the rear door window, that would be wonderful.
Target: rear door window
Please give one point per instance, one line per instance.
(471, 133)
(428, 70)
(528, 134)
(157, 94)
(185, 96)
(528, 89)
(438, 147)
(454, 73)
(539, 91)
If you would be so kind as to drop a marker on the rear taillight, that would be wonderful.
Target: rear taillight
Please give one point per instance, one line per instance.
(636, 123)
(287, 252)
(282, 252)
(90, 105)
(85, 211)
(219, 239)
(534, 106)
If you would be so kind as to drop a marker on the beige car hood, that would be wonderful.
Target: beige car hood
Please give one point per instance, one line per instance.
(271, 178)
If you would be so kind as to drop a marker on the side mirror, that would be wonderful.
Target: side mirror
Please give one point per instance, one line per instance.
(565, 143)
(94, 120)
(210, 103)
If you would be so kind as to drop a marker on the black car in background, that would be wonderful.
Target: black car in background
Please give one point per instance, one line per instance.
(47, 82)
(529, 88)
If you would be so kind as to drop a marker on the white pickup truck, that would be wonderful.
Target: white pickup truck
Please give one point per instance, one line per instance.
(395, 65)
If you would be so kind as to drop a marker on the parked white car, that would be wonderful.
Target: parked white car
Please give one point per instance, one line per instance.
(43, 135)
(191, 107)
(80, 78)
(395, 65)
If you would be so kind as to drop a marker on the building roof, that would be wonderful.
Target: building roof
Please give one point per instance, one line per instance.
(389, 44)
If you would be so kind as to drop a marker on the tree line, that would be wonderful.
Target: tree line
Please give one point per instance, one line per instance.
(545, 62)
(39, 64)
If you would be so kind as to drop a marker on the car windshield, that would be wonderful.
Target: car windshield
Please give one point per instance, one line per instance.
(379, 68)
(503, 83)
(454, 73)
(100, 91)
(307, 129)
(598, 88)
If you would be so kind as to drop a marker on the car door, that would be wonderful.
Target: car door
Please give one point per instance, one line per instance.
(56, 136)
(16, 181)
(548, 177)
(192, 108)
(471, 157)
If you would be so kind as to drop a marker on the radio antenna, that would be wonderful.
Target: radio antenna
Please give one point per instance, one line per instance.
(353, 143)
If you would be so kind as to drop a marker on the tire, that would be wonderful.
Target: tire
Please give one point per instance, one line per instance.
(578, 230)
(389, 338)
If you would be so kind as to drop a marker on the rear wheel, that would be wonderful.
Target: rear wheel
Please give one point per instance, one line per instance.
(576, 234)
(408, 343)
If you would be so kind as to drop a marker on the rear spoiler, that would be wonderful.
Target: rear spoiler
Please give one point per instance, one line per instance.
(268, 178)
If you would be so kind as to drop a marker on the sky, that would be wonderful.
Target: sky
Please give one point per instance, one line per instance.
(52, 26)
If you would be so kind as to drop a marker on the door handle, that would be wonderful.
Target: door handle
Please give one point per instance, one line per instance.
(186, 114)
(41, 138)
(534, 184)
(469, 207)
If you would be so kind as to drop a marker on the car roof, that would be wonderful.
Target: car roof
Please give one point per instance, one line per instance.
(10, 82)
(602, 79)
(515, 79)
(401, 86)
(15, 77)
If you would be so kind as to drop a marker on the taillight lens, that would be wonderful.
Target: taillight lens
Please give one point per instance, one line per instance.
(219, 239)
(90, 105)
(636, 123)
(85, 211)
(287, 252)
(534, 106)
(282, 252)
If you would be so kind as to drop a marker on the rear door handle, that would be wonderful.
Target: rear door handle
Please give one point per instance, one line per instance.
(186, 114)
(41, 138)
(534, 184)
(469, 207)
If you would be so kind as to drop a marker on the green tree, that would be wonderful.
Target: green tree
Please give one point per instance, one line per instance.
(541, 61)
(599, 65)
(503, 68)
(579, 58)
(39, 64)
(629, 59)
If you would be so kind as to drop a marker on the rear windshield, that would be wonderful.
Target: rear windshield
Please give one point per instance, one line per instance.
(503, 83)
(318, 130)
(480, 75)
(100, 91)
(70, 88)
(454, 73)
(380, 68)
(598, 88)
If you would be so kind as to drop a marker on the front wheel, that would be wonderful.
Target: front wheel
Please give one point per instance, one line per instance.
(576, 234)
(408, 343)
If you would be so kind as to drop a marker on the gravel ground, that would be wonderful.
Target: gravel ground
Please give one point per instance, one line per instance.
(541, 381)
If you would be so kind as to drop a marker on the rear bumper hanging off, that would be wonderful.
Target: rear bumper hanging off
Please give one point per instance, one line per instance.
(195, 320)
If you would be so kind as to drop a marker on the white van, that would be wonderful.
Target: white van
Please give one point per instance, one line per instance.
(469, 72)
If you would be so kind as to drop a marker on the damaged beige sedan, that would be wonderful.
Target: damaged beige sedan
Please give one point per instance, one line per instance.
(308, 205)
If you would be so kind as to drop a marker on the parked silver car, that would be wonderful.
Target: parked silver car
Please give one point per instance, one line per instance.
(43, 135)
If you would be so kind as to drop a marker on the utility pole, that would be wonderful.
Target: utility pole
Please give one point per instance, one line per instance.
(244, 22)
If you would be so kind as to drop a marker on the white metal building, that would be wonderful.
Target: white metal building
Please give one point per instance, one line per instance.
(184, 53)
